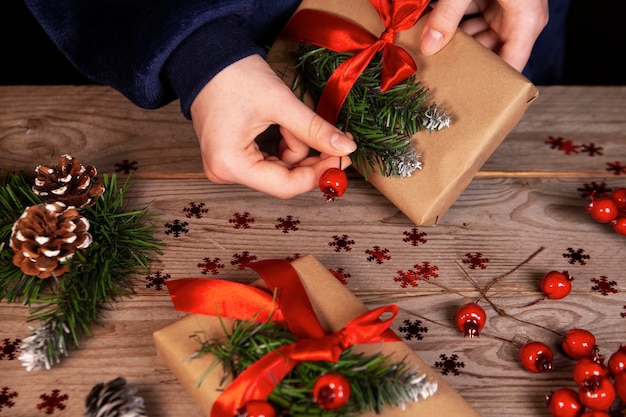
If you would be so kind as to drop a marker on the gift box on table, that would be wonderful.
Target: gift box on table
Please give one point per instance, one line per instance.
(333, 305)
(484, 97)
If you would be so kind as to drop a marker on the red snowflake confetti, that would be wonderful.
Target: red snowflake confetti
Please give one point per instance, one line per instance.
(242, 259)
(554, 143)
(241, 221)
(475, 260)
(157, 280)
(576, 256)
(9, 349)
(616, 167)
(623, 313)
(341, 275)
(341, 243)
(195, 210)
(126, 166)
(425, 271)
(211, 266)
(592, 149)
(287, 224)
(449, 365)
(52, 402)
(604, 286)
(378, 254)
(293, 258)
(176, 228)
(568, 147)
(598, 190)
(6, 397)
(414, 236)
(413, 330)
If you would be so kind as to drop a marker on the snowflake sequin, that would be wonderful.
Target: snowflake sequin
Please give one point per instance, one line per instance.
(413, 330)
(211, 266)
(341, 243)
(591, 149)
(598, 190)
(6, 398)
(554, 142)
(157, 280)
(616, 167)
(9, 349)
(176, 228)
(378, 254)
(126, 166)
(604, 286)
(52, 402)
(287, 224)
(414, 236)
(195, 210)
(475, 260)
(576, 256)
(341, 275)
(449, 365)
(241, 221)
(423, 271)
(241, 260)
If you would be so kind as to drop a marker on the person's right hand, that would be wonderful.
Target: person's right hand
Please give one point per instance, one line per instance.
(239, 104)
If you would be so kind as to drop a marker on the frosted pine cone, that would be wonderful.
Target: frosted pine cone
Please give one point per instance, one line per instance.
(45, 236)
(69, 182)
(115, 398)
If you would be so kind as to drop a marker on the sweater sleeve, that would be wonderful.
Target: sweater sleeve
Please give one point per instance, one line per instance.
(152, 51)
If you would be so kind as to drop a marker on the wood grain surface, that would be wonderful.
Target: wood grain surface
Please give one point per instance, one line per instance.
(525, 203)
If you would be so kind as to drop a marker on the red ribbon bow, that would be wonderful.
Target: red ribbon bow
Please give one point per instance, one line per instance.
(239, 301)
(340, 35)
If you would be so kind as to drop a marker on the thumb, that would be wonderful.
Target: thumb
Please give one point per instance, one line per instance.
(310, 128)
(442, 24)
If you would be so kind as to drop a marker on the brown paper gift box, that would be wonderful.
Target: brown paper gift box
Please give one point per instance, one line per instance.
(484, 96)
(335, 306)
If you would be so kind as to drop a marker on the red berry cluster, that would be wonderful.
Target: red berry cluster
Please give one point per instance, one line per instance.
(610, 210)
(598, 385)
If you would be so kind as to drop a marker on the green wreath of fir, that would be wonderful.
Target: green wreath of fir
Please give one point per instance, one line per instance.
(67, 305)
(382, 123)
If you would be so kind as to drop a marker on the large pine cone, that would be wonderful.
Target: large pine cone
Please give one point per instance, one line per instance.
(45, 236)
(115, 398)
(69, 182)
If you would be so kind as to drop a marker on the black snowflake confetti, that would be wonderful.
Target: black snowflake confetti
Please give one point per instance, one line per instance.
(9, 349)
(195, 210)
(176, 228)
(157, 280)
(413, 330)
(449, 365)
(576, 256)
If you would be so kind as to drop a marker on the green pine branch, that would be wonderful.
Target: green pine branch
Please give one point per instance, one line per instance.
(67, 306)
(382, 123)
(376, 381)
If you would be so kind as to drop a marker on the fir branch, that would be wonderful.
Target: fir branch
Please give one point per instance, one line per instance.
(382, 123)
(376, 381)
(66, 306)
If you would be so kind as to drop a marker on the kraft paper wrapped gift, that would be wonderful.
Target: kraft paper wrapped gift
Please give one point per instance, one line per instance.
(335, 306)
(484, 96)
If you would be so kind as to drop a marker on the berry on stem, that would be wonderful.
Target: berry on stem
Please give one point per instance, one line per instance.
(619, 197)
(556, 285)
(619, 225)
(470, 319)
(536, 357)
(579, 343)
(587, 367)
(619, 380)
(603, 210)
(564, 402)
(617, 361)
(331, 391)
(333, 183)
(597, 393)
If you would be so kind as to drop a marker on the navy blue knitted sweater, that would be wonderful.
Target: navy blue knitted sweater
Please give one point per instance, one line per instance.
(154, 51)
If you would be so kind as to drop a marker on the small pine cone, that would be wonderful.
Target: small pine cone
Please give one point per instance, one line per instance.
(45, 236)
(69, 182)
(115, 398)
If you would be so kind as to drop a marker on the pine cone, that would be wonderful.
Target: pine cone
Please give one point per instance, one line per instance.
(69, 182)
(45, 236)
(115, 398)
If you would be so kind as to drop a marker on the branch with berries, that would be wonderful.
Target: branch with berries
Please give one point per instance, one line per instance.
(67, 248)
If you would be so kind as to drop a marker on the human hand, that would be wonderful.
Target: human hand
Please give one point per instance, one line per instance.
(239, 104)
(507, 27)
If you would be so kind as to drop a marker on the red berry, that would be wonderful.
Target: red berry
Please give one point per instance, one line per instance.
(565, 402)
(333, 183)
(556, 285)
(536, 357)
(603, 210)
(256, 408)
(619, 225)
(619, 196)
(597, 393)
(470, 319)
(595, 413)
(331, 391)
(579, 343)
(619, 381)
(617, 361)
(587, 367)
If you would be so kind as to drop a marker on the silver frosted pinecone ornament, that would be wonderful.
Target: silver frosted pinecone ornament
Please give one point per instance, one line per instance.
(115, 398)
(45, 236)
(69, 182)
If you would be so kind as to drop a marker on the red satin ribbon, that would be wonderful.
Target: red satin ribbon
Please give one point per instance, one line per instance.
(242, 302)
(337, 34)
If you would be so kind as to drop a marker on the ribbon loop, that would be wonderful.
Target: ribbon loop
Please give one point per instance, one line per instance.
(339, 35)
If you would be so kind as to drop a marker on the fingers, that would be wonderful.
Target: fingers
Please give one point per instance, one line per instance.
(441, 25)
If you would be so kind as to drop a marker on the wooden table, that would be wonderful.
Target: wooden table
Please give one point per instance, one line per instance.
(526, 200)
